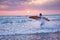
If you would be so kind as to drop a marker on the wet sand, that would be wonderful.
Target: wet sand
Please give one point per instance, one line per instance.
(37, 36)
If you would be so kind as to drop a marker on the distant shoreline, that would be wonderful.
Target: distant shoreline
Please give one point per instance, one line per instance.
(30, 15)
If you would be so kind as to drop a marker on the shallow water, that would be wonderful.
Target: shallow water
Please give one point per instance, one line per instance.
(37, 36)
(24, 25)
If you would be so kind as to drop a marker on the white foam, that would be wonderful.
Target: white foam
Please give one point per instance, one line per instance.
(28, 28)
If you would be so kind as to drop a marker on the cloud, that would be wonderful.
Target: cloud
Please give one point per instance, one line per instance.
(30, 4)
(14, 4)
(41, 1)
(55, 5)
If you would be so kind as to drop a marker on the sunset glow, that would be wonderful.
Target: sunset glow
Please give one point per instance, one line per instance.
(28, 11)
(27, 7)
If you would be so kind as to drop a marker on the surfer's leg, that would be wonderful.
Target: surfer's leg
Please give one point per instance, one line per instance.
(42, 23)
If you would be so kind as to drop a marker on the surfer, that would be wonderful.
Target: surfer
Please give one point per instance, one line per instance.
(42, 18)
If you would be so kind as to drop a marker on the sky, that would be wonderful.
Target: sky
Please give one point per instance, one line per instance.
(29, 7)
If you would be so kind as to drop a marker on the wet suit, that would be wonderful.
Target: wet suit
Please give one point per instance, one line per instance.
(42, 20)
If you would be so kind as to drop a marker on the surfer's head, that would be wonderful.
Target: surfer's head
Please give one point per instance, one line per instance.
(40, 14)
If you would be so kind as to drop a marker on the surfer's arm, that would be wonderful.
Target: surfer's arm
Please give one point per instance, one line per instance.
(46, 19)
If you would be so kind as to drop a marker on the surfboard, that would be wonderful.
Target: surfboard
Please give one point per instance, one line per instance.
(38, 18)
(34, 17)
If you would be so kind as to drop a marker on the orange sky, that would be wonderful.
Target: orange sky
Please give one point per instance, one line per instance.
(32, 12)
(20, 7)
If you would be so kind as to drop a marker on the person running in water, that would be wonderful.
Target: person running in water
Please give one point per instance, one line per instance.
(42, 18)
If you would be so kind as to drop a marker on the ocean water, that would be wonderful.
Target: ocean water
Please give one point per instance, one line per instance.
(11, 25)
